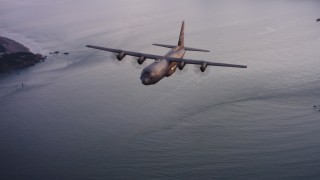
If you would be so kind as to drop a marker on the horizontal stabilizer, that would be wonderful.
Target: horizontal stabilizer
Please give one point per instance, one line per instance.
(186, 48)
(164, 45)
(194, 49)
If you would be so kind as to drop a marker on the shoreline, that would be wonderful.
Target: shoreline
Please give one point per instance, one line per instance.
(14, 56)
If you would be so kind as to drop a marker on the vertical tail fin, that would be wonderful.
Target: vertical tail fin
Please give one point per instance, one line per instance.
(181, 37)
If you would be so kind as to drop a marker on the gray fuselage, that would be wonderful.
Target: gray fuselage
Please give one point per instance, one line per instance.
(162, 67)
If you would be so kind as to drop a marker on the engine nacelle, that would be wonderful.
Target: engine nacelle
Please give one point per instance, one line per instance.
(181, 65)
(141, 60)
(121, 55)
(203, 67)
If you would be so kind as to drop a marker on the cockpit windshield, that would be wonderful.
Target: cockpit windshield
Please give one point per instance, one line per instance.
(146, 74)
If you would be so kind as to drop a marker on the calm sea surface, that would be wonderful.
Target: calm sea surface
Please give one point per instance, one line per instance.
(84, 116)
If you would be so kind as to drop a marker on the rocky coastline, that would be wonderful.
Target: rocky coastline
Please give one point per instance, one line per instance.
(14, 56)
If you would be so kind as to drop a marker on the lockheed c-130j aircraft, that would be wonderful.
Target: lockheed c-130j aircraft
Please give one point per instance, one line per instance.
(165, 66)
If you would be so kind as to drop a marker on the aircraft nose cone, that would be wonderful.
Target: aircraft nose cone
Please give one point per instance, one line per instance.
(145, 81)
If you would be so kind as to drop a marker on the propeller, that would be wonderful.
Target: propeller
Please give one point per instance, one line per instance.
(201, 70)
(183, 70)
(115, 60)
(136, 64)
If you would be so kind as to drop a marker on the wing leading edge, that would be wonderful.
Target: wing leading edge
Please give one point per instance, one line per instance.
(130, 53)
(177, 60)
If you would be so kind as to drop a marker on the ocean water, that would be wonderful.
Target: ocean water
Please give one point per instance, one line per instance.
(84, 116)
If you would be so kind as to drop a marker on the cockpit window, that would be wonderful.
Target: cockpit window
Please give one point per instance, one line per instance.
(146, 73)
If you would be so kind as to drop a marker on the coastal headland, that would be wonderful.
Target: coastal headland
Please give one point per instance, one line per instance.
(14, 56)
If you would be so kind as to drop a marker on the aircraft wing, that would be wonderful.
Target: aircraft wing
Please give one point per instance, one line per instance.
(201, 62)
(130, 53)
(178, 60)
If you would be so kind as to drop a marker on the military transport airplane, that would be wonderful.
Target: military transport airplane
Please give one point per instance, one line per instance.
(165, 66)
